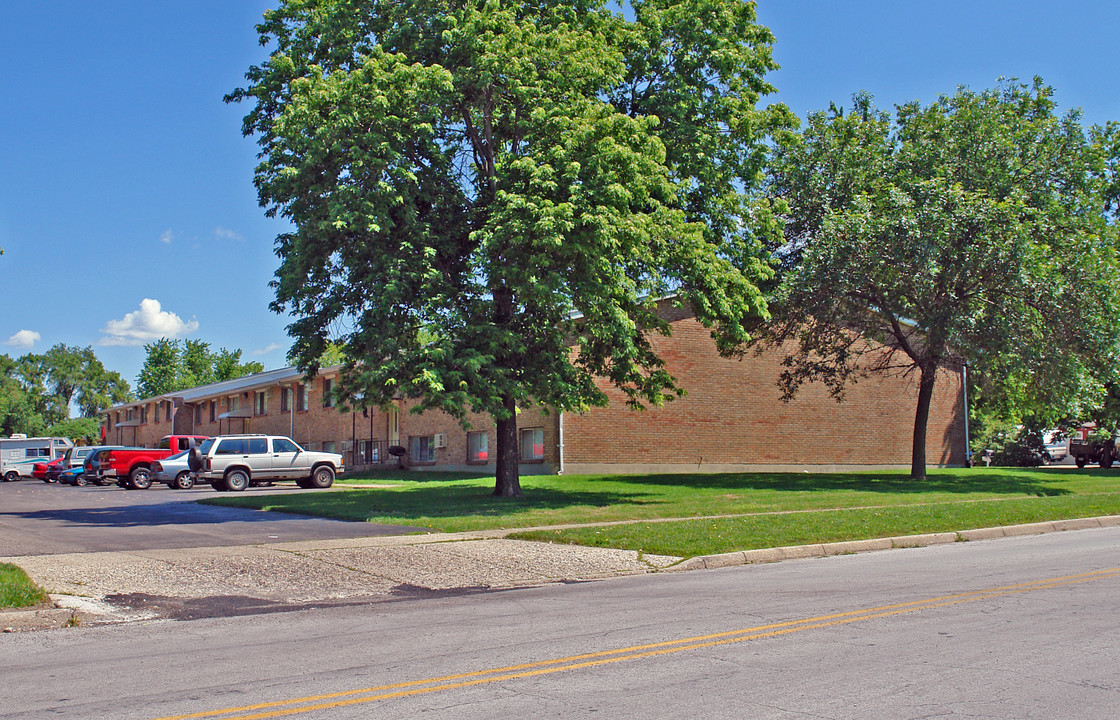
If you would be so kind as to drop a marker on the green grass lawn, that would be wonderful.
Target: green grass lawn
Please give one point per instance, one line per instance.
(830, 507)
(17, 590)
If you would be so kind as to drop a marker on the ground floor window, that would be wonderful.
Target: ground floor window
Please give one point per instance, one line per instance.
(371, 451)
(328, 446)
(477, 447)
(422, 449)
(532, 444)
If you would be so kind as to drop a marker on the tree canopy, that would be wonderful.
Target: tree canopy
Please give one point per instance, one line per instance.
(488, 197)
(171, 365)
(37, 391)
(974, 230)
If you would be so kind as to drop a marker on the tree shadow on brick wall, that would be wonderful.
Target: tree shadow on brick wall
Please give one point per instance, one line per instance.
(1040, 482)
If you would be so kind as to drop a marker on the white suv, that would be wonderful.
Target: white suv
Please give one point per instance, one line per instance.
(232, 462)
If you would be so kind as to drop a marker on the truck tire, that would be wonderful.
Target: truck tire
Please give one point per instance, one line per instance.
(1080, 460)
(140, 478)
(322, 477)
(1106, 459)
(236, 480)
(11, 476)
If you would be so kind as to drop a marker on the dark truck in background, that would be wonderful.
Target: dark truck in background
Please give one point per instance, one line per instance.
(1103, 452)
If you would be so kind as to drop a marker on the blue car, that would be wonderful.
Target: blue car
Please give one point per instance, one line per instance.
(73, 476)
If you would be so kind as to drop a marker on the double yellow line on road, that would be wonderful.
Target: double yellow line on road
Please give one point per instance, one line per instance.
(282, 708)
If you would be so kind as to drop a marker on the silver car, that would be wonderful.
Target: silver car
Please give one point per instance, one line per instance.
(232, 462)
(174, 471)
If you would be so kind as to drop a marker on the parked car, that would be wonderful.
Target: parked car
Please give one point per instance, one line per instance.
(1054, 450)
(174, 471)
(232, 462)
(74, 457)
(41, 470)
(92, 465)
(73, 476)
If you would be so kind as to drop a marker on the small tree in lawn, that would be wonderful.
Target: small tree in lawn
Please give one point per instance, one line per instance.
(465, 178)
(975, 229)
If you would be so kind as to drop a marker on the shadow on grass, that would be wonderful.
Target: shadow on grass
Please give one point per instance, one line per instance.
(1030, 481)
(441, 501)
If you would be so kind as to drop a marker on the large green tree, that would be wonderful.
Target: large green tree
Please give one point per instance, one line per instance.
(37, 391)
(975, 229)
(171, 365)
(487, 197)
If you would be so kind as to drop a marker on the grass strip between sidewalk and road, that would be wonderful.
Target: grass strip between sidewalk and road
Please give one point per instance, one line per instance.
(700, 514)
(17, 590)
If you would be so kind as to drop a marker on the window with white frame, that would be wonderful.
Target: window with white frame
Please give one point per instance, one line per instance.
(532, 444)
(478, 447)
(422, 449)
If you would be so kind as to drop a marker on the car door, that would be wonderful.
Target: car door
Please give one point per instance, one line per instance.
(260, 460)
(286, 459)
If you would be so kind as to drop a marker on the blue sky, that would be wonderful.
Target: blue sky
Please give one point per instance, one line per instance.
(126, 201)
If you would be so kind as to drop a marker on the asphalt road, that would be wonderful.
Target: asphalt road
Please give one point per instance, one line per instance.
(1013, 628)
(41, 519)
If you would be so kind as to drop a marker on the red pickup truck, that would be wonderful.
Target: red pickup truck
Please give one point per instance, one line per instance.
(131, 468)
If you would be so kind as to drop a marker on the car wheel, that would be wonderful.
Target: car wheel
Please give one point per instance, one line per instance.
(183, 481)
(322, 477)
(140, 478)
(11, 476)
(236, 480)
(80, 481)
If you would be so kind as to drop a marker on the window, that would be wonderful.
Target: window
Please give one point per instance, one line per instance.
(532, 444)
(301, 397)
(233, 403)
(370, 451)
(170, 408)
(197, 414)
(262, 402)
(213, 409)
(258, 446)
(421, 449)
(477, 447)
(144, 415)
(328, 399)
(285, 399)
(284, 445)
(232, 446)
(328, 446)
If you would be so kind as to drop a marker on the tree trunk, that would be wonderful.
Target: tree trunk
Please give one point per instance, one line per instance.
(507, 480)
(921, 420)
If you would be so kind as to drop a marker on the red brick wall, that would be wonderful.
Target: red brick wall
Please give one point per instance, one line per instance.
(733, 414)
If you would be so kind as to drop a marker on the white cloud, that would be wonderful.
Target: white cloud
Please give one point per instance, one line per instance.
(268, 349)
(148, 323)
(167, 237)
(24, 339)
(226, 234)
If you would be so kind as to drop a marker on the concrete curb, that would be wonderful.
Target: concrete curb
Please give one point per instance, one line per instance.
(35, 619)
(768, 555)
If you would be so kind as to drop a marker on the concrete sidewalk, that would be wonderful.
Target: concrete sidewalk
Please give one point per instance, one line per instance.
(91, 588)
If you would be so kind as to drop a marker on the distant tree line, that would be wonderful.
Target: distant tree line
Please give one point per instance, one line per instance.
(39, 393)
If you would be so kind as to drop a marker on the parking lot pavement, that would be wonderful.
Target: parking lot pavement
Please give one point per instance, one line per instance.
(37, 518)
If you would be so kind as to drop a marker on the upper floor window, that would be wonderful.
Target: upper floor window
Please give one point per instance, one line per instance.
(328, 398)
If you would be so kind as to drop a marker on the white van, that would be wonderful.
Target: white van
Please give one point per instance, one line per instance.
(19, 453)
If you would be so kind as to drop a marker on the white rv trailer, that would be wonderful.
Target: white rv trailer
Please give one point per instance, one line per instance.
(19, 453)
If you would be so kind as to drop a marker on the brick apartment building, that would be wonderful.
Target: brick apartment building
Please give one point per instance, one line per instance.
(731, 419)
